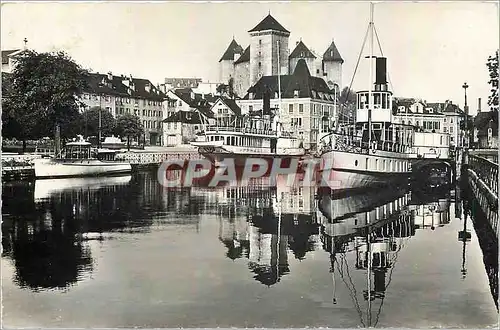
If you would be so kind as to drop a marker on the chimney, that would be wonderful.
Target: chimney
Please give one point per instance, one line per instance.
(296, 43)
(381, 74)
(266, 100)
(147, 87)
(110, 76)
(478, 105)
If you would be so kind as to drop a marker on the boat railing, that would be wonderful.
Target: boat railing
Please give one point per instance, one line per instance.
(246, 130)
(354, 143)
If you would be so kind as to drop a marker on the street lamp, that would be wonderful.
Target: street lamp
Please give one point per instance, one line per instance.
(466, 108)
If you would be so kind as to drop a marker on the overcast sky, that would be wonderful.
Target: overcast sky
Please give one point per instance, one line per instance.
(432, 48)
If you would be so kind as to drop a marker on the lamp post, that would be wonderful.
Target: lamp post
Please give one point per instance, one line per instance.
(466, 122)
(466, 108)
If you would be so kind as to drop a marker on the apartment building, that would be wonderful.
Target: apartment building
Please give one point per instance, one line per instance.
(125, 94)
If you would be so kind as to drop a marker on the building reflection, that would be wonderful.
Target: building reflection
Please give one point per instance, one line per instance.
(372, 229)
(262, 224)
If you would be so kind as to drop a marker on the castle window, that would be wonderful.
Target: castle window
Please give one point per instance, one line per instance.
(317, 71)
(260, 65)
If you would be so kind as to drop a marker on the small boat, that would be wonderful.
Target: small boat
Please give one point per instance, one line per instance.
(78, 160)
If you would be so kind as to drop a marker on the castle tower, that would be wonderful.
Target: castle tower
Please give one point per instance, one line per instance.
(302, 52)
(264, 40)
(226, 63)
(332, 66)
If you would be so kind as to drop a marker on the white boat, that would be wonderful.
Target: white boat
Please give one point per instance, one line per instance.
(77, 160)
(372, 151)
(247, 137)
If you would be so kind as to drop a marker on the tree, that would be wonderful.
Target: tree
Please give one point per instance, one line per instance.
(492, 65)
(91, 122)
(44, 94)
(347, 109)
(129, 126)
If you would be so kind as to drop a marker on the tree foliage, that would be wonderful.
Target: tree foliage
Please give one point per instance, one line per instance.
(43, 93)
(91, 122)
(347, 108)
(129, 126)
(492, 65)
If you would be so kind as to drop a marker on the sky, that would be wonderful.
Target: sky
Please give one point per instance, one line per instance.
(432, 47)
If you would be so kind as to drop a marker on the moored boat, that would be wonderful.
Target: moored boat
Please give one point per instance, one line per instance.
(372, 151)
(78, 160)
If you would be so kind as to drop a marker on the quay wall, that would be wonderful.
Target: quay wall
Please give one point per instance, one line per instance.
(482, 179)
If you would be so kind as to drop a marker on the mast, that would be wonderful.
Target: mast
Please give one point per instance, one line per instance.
(370, 86)
(279, 84)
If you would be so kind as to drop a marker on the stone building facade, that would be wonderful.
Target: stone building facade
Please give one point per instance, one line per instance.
(261, 58)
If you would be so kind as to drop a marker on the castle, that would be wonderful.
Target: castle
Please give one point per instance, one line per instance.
(269, 42)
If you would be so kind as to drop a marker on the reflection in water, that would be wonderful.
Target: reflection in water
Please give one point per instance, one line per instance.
(47, 227)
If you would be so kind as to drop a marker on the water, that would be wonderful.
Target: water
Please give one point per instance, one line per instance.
(125, 252)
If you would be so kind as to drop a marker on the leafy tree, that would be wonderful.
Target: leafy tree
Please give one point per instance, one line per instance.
(347, 96)
(129, 126)
(492, 65)
(91, 122)
(347, 108)
(43, 95)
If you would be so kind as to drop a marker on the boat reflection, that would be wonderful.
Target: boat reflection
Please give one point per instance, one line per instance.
(369, 231)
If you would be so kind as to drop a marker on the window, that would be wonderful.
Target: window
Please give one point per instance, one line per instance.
(250, 108)
(317, 71)
(451, 129)
(445, 120)
(290, 108)
(260, 42)
(451, 120)
(301, 108)
(180, 103)
(356, 162)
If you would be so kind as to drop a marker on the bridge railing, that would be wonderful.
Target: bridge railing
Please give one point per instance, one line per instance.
(486, 170)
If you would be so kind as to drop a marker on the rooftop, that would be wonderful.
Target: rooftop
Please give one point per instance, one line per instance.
(269, 23)
(301, 51)
(332, 54)
(231, 50)
(301, 80)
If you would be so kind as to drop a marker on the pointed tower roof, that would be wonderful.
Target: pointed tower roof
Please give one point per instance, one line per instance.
(232, 49)
(332, 54)
(301, 51)
(269, 23)
(245, 57)
(301, 70)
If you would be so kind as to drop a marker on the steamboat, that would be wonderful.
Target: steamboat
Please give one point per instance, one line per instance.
(373, 151)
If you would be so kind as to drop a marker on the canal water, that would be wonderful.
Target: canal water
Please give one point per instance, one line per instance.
(126, 252)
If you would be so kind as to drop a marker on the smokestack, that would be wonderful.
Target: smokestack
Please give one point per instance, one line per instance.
(381, 72)
(266, 99)
(478, 105)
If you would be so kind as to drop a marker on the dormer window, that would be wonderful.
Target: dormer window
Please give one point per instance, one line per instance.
(314, 93)
(250, 96)
(296, 93)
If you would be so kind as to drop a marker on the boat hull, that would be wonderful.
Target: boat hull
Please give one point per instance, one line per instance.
(218, 158)
(341, 170)
(50, 168)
